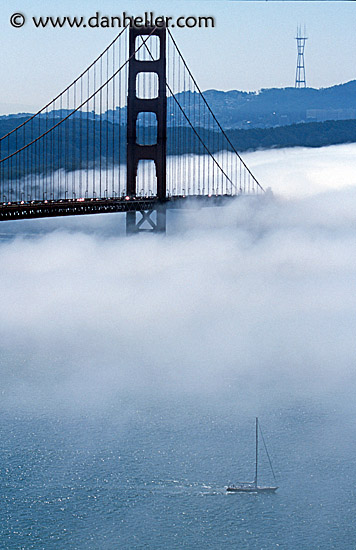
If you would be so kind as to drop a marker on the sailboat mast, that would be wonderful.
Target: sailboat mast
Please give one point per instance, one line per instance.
(256, 471)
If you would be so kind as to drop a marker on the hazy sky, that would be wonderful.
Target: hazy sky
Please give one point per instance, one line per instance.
(252, 46)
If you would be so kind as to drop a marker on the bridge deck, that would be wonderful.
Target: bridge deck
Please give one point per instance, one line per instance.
(73, 207)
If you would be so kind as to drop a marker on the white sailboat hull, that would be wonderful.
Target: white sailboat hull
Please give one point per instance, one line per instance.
(251, 489)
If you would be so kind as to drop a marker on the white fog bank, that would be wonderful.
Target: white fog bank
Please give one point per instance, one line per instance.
(257, 298)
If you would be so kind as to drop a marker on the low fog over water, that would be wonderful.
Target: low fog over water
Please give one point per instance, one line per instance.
(255, 299)
(132, 370)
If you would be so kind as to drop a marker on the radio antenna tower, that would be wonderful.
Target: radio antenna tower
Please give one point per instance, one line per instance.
(300, 81)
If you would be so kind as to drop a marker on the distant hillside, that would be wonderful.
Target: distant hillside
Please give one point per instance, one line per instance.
(265, 109)
(283, 106)
(74, 145)
(313, 134)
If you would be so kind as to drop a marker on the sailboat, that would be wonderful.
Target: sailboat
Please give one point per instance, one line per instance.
(253, 487)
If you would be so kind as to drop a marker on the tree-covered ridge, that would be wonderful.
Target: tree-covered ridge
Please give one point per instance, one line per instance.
(267, 108)
(282, 106)
(76, 149)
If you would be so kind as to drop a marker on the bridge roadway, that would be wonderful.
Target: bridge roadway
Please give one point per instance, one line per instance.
(70, 207)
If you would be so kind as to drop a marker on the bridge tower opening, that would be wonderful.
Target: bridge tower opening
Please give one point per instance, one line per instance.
(155, 105)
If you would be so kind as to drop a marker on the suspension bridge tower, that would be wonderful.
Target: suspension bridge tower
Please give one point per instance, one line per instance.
(300, 81)
(155, 103)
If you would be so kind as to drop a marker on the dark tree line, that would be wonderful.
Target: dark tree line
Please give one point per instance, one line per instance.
(77, 144)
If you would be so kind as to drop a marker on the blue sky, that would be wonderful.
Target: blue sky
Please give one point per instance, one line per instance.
(251, 47)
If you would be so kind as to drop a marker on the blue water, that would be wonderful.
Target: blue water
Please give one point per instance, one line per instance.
(152, 474)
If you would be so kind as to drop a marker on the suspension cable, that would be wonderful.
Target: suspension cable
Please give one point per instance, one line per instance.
(67, 88)
(211, 112)
(81, 105)
(190, 124)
